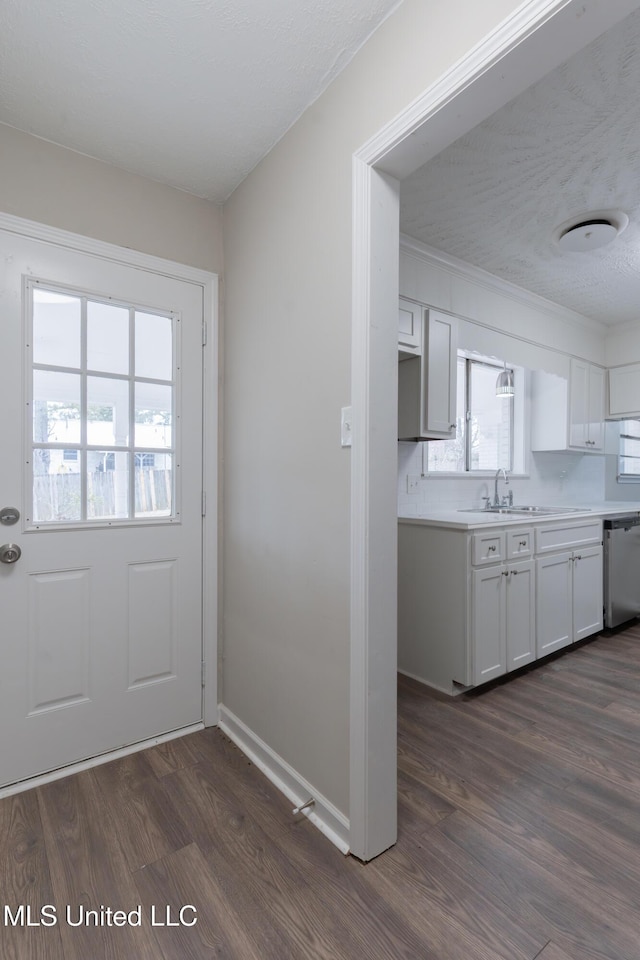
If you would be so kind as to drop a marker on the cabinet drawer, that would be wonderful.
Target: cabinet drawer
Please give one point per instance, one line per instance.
(570, 534)
(487, 547)
(519, 543)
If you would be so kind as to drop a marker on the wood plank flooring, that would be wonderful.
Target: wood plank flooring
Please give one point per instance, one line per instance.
(519, 839)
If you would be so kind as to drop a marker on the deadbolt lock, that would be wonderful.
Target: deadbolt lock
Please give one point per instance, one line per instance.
(9, 515)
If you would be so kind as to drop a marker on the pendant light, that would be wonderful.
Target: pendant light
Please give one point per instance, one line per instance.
(504, 383)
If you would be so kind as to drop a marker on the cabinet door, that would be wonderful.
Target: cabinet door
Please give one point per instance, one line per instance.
(554, 602)
(488, 624)
(520, 614)
(587, 592)
(440, 358)
(578, 404)
(624, 391)
(595, 409)
(410, 326)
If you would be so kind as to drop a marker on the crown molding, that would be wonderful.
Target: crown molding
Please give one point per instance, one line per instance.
(505, 288)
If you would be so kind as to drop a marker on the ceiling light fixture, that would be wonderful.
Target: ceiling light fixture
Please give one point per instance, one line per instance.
(590, 231)
(504, 383)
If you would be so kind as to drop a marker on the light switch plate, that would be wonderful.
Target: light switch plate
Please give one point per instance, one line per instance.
(345, 427)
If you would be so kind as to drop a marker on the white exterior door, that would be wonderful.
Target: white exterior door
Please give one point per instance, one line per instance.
(101, 633)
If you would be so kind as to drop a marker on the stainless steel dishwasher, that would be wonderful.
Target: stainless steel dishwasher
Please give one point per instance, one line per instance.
(621, 569)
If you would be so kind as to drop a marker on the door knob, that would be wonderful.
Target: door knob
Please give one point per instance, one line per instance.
(10, 553)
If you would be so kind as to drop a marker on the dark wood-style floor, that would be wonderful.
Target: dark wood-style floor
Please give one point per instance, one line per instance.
(519, 838)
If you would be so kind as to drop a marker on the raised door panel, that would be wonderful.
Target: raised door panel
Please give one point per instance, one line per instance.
(624, 391)
(587, 592)
(440, 359)
(488, 624)
(578, 404)
(520, 616)
(595, 412)
(410, 326)
(554, 605)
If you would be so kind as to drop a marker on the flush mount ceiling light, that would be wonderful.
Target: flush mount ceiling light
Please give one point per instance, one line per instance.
(504, 383)
(590, 231)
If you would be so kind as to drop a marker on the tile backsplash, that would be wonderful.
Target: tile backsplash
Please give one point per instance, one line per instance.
(553, 478)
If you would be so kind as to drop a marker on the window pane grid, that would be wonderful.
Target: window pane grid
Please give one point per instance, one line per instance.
(484, 424)
(629, 450)
(97, 454)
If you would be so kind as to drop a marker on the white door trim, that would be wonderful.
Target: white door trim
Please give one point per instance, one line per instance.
(537, 37)
(209, 283)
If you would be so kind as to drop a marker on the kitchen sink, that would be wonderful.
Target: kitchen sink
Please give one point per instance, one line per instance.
(517, 510)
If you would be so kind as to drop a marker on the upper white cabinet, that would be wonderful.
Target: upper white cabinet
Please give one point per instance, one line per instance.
(410, 327)
(427, 383)
(569, 415)
(624, 392)
(586, 406)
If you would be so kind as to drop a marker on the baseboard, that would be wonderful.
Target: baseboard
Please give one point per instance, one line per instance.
(72, 768)
(449, 691)
(323, 815)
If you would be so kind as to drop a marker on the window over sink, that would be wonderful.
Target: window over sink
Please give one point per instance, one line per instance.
(629, 452)
(485, 430)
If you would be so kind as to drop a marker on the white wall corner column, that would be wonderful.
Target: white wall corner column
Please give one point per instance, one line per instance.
(373, 789)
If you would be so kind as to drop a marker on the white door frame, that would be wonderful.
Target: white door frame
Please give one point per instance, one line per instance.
(537, 37)
(209, 283)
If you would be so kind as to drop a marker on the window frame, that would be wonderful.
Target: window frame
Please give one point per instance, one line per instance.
(469, 471)
(621, 476)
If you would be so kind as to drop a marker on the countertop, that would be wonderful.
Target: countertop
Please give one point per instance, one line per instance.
(472, 520)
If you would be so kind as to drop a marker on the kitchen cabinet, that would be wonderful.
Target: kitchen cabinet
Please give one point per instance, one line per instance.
(409, 328)
(569, 414)
(569, 597)
(466, 604)
(427, 383)
(588, 603)
(502, 619)
(476, 604)
(586, 406)
(624, 392)
(569, 579)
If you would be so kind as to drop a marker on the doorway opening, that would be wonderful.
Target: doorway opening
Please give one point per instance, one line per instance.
(537, 38)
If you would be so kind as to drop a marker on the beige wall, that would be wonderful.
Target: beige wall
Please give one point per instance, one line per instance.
(287, 233)
(43, 182)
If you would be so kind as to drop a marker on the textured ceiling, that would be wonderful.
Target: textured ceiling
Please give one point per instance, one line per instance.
(188, 92)
(568, 145)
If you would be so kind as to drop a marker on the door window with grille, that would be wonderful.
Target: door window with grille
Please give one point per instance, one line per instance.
(101, 409)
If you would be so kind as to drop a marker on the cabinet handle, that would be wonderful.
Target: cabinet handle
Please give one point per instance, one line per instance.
(522, 543)
(452, 426)
(492, 548)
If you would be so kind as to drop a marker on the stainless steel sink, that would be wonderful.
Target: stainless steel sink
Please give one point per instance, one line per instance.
(527, 510)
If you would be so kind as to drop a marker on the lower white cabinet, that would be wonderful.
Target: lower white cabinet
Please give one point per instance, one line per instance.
(474, 605)
(569, 597)
(503, 633)
(555, 602)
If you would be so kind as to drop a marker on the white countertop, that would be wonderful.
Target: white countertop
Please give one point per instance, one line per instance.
(471, 520)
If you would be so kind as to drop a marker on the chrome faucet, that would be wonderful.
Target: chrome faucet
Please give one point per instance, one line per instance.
(496, 499)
